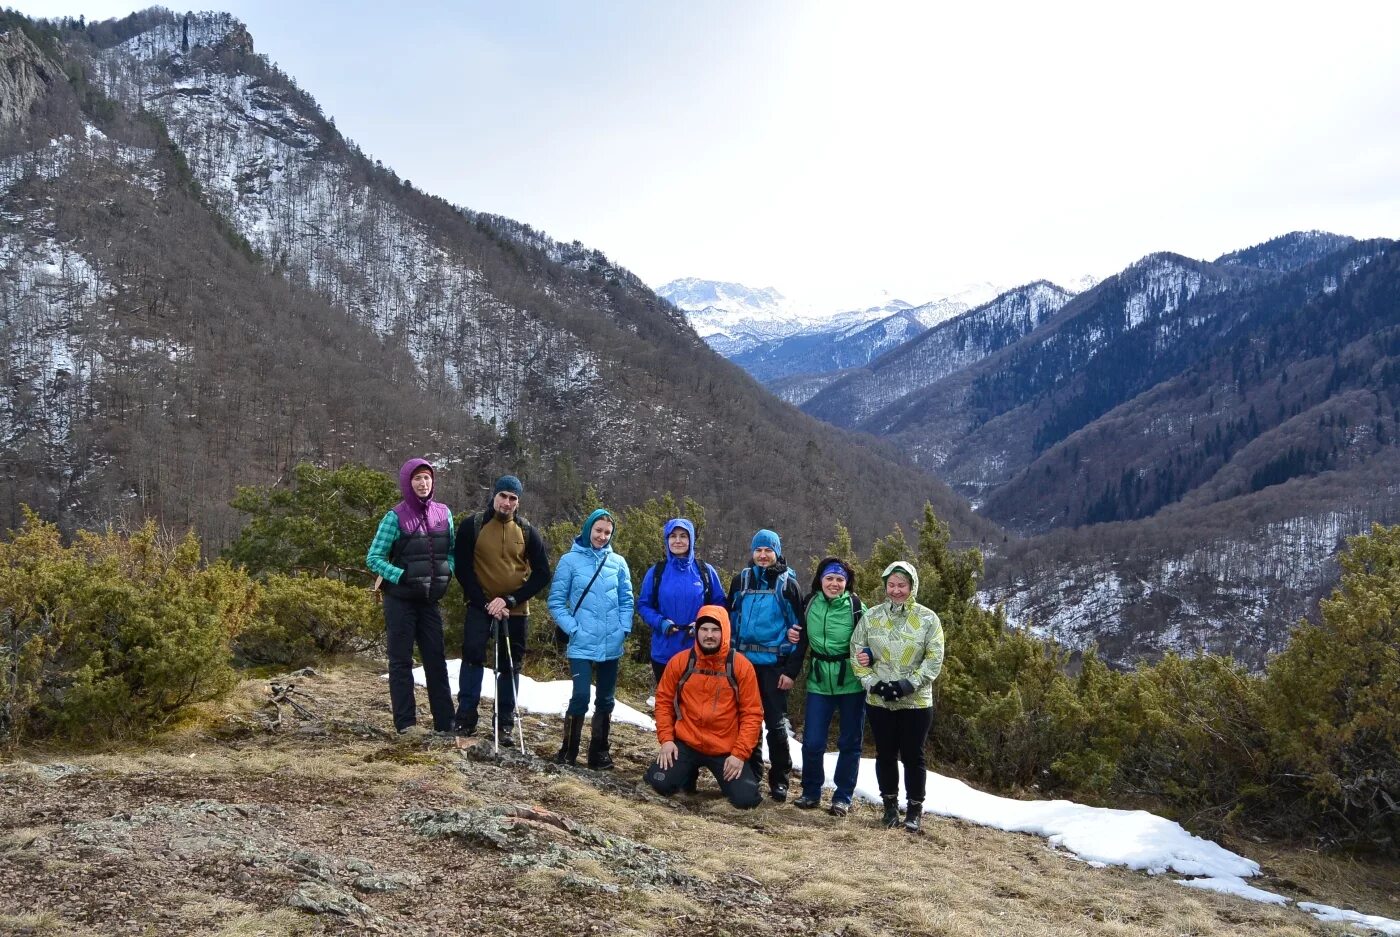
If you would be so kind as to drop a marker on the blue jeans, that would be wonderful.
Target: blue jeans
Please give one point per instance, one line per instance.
(815, 725)
(582, 672)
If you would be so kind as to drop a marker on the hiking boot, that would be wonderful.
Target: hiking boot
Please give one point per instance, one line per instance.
(891, 817)
(598, 756)
(503, 736)
(414, 731)
(839, 808)
(807, 803)
(573, 733)
(913, 816)
(465, 728)
(779, 792)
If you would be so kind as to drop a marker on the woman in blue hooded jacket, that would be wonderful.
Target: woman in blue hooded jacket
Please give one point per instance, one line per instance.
(590, 599)
(673, 591)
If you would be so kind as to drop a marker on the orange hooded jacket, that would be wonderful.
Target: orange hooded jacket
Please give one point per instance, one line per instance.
(710, 721)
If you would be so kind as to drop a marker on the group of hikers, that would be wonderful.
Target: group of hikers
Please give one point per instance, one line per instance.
(724, 661)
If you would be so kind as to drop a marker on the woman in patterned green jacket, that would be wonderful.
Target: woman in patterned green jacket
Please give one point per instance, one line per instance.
(898, 651)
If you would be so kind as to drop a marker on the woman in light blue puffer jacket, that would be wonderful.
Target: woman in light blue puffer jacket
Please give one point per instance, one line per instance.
(590, 600)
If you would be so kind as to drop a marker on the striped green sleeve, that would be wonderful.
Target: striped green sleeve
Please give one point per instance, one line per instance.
(378, 558)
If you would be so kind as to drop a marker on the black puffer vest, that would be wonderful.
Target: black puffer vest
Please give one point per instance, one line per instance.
(423, 559)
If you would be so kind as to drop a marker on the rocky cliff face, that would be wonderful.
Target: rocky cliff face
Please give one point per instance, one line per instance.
(25, 76)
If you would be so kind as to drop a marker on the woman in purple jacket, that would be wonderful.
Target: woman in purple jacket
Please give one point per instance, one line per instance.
(412, 552)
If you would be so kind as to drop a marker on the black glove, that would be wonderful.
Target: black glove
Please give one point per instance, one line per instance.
(902, 688)
(879, 689)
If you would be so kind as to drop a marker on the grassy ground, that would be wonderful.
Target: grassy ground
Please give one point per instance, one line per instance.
(239, 824)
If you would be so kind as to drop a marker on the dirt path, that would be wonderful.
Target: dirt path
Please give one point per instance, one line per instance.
(273, 818)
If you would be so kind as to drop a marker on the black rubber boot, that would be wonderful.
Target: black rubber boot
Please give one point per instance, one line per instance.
(598, 756)
(504, 738)
(891, 817)
(568, 749)
(913, 816)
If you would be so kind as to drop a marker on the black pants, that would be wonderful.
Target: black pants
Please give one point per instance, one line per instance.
(407, 621)
(775, 721)
(479, 628)
(742, 791)
(899, 739)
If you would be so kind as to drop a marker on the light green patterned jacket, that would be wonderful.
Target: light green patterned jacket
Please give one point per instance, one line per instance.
(906, 643)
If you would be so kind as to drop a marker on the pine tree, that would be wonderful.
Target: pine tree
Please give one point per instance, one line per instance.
(1334, 696)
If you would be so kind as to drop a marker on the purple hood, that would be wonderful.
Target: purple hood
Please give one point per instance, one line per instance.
(419, 515)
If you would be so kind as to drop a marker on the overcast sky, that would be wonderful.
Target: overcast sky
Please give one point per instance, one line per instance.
(838, 151)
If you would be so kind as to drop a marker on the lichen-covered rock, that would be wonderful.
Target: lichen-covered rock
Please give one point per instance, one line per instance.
(322, 899)
(391, 881)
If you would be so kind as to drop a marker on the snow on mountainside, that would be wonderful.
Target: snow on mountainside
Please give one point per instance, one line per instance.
(938, 352)
(263, 160)
(731, 317)
(760, 331)
(1288, 252)
(1237, 594)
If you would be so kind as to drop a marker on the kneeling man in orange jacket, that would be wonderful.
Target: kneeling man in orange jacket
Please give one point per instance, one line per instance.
(708, 714)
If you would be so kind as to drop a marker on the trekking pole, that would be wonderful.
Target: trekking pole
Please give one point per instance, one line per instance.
(515, 691)
(496, 694)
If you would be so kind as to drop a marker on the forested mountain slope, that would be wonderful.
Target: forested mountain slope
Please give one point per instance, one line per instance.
(204, 284)
(944, 349)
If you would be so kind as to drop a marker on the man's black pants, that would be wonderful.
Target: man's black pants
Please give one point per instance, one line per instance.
(742, 791)
(477, 630)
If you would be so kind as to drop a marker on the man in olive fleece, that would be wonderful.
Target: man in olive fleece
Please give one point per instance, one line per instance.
(501, 562)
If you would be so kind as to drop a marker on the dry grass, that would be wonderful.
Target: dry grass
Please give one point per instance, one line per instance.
(22, 837)
(819, 874)
(221, 917)
(958, 879)
(43, 924)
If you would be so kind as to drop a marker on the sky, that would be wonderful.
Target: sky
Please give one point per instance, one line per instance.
(851, 153)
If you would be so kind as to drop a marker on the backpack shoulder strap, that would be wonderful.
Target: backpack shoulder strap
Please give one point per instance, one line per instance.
(680, 684)
(656, 569)
(729, 675)
(707, 581)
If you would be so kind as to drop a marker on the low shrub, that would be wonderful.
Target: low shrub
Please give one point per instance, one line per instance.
(301, 619)
(114, 635)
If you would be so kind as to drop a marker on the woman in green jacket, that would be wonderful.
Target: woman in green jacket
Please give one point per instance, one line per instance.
(897, 649)
(831, 614)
